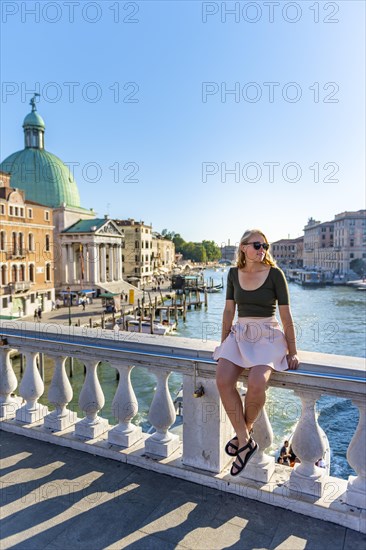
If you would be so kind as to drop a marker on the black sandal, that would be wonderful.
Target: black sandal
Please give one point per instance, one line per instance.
(231, 445)
(252, 445)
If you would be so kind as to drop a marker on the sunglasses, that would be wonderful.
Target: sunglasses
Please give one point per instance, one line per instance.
(257, 246)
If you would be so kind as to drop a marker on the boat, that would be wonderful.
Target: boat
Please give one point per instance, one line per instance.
(133, 324)
(309, 278)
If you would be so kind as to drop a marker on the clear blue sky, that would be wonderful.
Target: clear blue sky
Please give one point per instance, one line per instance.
(177, 124)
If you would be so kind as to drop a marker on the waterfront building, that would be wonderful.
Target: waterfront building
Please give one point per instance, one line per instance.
(137, 255)
(162, 255)
(331, 246)
(26, 253)
(46, 180)
(288, 252)
(318, 244)
(228, 252)
(349, 239)
(92, 256)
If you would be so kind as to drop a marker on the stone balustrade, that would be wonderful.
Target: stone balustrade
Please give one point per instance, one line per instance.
(199, 455)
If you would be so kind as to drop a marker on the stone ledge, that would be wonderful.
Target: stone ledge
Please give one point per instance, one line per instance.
(331, 507)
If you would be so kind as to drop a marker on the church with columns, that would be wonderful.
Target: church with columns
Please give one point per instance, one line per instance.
(87, 251)
(92, 254)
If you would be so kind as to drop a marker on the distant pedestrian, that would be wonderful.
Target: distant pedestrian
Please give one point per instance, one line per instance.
(39, 311)
(35, 315)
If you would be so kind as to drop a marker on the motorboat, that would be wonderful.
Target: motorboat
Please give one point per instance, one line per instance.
(134, 324)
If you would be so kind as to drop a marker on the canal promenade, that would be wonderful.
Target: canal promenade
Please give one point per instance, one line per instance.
(59, 498)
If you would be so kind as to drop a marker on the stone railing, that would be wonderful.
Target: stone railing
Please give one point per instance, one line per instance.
(199, 456)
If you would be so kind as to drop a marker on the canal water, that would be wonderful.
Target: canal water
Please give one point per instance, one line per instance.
(328, 320)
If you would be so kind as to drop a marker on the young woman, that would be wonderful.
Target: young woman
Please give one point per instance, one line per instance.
(256, 341)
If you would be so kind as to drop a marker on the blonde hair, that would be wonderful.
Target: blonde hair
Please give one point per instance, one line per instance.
(240, 260)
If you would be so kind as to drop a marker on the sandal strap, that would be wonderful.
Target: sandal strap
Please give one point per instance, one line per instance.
(242, 462)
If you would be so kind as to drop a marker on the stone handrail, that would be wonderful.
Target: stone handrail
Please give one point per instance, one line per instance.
(205, 427)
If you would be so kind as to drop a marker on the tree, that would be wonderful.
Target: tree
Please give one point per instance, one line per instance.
(213, 252)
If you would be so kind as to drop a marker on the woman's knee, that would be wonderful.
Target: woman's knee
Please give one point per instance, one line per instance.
(227, 374)
(257, 380)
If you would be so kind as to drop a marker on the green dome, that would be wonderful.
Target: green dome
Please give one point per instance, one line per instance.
(42, 175)
(34, 119)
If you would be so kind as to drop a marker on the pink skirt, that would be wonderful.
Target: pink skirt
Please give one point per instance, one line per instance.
(255, 341)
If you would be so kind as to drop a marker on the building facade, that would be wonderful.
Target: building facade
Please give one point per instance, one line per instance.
(288, 252)
(319, 245)
(163, 255)
(137, 253)
(92, 253)
(26, 253)
(349, 240)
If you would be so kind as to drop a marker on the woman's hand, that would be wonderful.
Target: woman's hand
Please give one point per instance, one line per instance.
(292, 361)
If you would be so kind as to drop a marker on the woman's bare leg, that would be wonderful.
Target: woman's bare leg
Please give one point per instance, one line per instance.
(256, 392)
(227, 374)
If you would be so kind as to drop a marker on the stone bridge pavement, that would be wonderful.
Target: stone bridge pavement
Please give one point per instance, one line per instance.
(54, 497)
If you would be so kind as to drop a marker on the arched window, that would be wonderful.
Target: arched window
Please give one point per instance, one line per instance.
(31, 242)
(14, 242)
(22, 273)
(48, 272)
(4, 274)
(31, 273)
(14, 273)
(21, 242)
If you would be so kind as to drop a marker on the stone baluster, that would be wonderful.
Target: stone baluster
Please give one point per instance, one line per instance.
(91, 400)
(124, 407)
(161, 416)
(261, 466)
(60, 394)
(31, 388)
(356, 488)
(308, 445)
(8, 383)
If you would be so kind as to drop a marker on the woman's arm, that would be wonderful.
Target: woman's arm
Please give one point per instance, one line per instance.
(227, 318)
(290, 335)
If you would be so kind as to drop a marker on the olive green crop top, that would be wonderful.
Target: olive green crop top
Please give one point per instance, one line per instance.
(262, 301)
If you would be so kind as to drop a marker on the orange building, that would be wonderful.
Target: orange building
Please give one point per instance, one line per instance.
(26, 253)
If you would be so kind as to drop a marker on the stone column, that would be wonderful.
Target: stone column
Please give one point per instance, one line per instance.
(93, 256)
(60, 394)
(308, 446)
(65, 265)
(71, 262)
(119, 252)
(111, 262)
(86, 263)
(8, 383)
(91, 400)
(31, 388)
(115, 264)
(124, 407)
(161, 416)
(206, 429)
(356, 488)
(103, 264)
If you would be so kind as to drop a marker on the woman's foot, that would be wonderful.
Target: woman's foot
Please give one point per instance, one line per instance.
(244, 454)
(231, 448)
